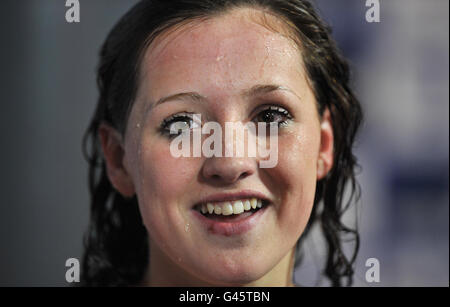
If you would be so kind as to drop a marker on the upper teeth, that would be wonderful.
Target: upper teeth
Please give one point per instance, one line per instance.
(231, 207)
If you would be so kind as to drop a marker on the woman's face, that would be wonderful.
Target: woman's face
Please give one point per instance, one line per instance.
(239, 68)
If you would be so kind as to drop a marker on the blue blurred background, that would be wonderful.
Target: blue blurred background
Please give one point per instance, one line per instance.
(400, 73)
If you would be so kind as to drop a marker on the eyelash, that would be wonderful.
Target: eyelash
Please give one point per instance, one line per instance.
(184, 116)
(179, 117)
(280, 112)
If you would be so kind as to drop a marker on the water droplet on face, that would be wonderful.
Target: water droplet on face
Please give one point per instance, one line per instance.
(187, 227)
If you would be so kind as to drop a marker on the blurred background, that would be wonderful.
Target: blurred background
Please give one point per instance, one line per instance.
(400, 73)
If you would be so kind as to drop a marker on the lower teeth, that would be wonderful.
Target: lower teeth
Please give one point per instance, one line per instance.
(231, 215)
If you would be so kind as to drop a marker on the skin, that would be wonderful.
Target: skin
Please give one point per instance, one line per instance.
(218, 60)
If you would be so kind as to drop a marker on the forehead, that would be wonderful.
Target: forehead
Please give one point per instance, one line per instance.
(240, 44)
(195, 38)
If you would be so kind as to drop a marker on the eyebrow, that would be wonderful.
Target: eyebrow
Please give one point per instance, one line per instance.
(256, 90)
(261, 89)
(183, 96)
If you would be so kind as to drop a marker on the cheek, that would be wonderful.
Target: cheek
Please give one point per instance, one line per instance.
(296, 177)
(163, 174)
(164, 182)
(163, 189)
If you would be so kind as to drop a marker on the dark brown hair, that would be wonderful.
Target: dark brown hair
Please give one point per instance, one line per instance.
(116, 247)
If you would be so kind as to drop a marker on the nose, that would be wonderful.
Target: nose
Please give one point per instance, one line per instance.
(227, 170)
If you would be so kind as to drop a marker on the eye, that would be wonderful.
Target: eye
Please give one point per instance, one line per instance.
(274, 114)
(179, 123)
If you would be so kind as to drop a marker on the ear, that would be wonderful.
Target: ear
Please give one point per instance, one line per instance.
(325, 159)
(114, 153)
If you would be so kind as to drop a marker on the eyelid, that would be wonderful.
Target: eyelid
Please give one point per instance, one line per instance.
(178, 115)
(164, 127)
(174, 117)
(274, 107)
(279, 109)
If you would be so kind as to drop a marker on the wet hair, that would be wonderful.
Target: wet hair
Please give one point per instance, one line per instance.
(116, 242)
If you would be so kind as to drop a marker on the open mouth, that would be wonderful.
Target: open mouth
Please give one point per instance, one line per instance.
(229, 211)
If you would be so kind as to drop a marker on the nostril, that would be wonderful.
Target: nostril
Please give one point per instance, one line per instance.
(227, 169)
(244, 175)
(216, 177)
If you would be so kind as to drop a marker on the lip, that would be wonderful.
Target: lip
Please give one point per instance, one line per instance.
(244, 194)
(229, 229)
(232, 228)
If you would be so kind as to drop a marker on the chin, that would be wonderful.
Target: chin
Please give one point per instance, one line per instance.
(236, 274)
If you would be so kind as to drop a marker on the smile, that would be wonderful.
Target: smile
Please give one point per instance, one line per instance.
(229, 207)
(230, 217)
